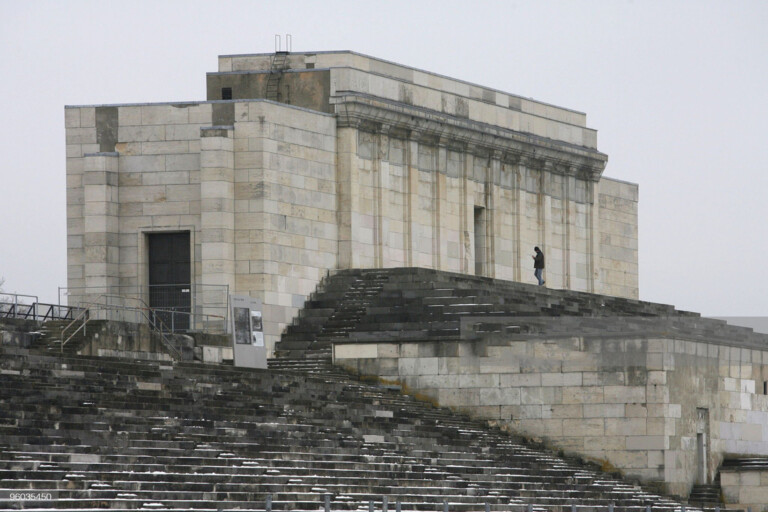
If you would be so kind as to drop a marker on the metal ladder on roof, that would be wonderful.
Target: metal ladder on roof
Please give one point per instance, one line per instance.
(279, 61)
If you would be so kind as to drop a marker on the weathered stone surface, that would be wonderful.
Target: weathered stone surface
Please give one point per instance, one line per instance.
(459, 178)
(641, 417)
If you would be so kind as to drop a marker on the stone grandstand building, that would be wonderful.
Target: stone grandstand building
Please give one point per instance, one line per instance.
(298, 164)
(301, 163)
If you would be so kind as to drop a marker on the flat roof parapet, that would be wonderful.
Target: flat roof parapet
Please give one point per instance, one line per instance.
(374, 65)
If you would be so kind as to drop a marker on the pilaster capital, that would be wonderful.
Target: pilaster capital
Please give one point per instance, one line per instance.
(512, 157)
(533, 163)
(479, 151)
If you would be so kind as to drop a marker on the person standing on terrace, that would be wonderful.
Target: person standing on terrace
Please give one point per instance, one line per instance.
(538, 265)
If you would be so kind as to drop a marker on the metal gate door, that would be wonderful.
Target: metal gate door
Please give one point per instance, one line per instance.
(169, 278)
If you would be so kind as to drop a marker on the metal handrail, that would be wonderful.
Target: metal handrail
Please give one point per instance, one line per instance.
(17, 295)
(85, 316)
(174, 312)
(100, 306)
(143, 312)
(209, 303)
(38, 311)
(16, 310)
(146, 307)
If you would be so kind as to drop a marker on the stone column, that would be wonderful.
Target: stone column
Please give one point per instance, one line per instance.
(466, 214)
(381, 199)
(217, 208)
(101, 226)
(545, 212)
(348, 183)
(439, 242)
(593, 237)
(517, 252)
(412, 201)
(493, 223)
(569, 217)
(469, 161)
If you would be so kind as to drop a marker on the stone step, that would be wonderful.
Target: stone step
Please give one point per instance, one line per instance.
(705, 494)
(186, 434)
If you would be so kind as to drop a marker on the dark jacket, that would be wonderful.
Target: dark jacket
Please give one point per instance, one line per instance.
(538, 261)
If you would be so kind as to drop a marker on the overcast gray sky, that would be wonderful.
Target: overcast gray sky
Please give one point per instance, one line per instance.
(678, 91)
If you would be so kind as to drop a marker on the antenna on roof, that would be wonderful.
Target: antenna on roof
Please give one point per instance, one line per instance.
(279, 45)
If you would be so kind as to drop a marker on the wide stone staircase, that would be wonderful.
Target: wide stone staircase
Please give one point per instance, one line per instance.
(333, 312)
(87, 433)
(414, 304)
(80, 432)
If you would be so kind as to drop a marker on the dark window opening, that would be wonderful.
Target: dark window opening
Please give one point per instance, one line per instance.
(310, 65)
(226, 93)
(765, 387)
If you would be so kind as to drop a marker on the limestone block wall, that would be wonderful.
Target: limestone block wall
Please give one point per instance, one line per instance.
(254, 183)
(618, 249)
(81, 139)
(416, 202)
(746, 488)
(159, 148)
(286, 231)
(642, 405)
(131, 170)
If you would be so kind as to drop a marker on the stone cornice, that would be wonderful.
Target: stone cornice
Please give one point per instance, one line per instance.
(434, 128)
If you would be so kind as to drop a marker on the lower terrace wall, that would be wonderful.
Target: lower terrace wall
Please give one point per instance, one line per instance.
(638, 404)
(16, 332)
(746, 488)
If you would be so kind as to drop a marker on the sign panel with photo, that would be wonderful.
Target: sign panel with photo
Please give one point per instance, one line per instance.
(249, 347)
(257, 336)
(242, 325)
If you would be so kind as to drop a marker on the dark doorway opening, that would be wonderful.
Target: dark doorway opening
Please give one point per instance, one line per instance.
(480, 242)
(170, 294)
